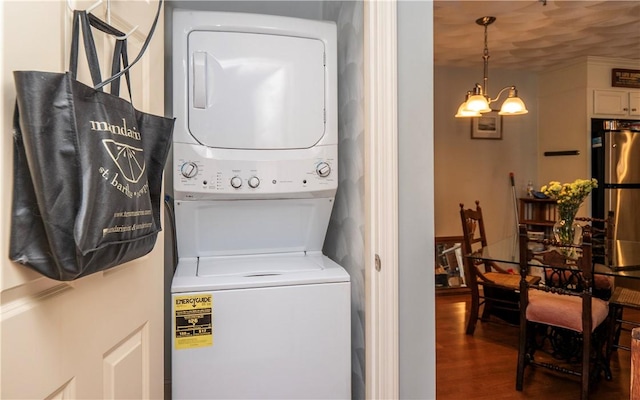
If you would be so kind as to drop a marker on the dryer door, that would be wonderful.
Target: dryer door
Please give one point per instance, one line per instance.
(256, 91)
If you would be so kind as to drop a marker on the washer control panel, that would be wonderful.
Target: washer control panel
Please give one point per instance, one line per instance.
(199, 173)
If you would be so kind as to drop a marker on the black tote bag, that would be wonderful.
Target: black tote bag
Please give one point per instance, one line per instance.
(87, 169)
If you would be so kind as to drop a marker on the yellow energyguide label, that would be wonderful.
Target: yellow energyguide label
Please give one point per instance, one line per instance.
(193, 321)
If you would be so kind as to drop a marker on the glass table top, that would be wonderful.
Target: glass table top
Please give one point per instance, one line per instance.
(624, 260)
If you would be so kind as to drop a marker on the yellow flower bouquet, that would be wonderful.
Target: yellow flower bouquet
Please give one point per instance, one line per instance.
(569, 197)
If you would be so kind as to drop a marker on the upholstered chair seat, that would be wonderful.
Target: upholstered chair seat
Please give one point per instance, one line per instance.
(563, 311)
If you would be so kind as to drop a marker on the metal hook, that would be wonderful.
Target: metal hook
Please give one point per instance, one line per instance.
(96, 4)
(93, 6)
(126, 35)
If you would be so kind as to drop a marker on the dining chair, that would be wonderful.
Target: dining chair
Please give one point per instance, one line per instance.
(602, 230)
(499, 296)
(562, 328)
(620, 298)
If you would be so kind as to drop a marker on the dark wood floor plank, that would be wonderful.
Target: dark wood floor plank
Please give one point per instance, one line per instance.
(483, 366)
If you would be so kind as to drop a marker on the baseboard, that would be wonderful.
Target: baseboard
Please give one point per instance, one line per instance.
(452, 291)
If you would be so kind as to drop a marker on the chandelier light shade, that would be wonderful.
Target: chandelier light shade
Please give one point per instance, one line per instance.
(464, 112)
(513, 105)
(478, 101)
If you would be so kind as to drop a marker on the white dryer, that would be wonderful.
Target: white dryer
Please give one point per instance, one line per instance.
(258, 311)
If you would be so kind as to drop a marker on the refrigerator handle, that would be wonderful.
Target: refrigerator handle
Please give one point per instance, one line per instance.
(610, 157)
(611, 201)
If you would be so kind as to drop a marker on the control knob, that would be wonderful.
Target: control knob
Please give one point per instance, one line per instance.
(323, 169)
(236, 182)
(189, 169)
(254, 182)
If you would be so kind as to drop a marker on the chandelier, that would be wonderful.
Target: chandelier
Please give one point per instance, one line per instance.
(478, 101)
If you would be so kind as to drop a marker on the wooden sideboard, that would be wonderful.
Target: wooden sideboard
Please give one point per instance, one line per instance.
(538, 214)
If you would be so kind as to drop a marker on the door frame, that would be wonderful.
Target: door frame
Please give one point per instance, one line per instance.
(381, 199)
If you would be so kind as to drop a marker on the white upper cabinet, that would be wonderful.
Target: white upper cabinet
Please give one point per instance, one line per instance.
(616, 102)
(634, 103)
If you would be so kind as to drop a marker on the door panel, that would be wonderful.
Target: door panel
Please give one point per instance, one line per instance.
(67, 391)
(620, 149)
(126, 369)
(627, 220)
(100, 336)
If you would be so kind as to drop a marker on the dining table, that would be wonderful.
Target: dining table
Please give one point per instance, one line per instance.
(622, 260)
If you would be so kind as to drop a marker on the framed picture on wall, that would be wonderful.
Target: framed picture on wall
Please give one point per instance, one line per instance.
(489, 126)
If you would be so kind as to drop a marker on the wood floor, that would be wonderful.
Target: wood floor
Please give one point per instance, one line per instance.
(483, 366)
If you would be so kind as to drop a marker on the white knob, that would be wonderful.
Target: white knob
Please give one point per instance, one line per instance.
(236, 182)
(323, 169)
(189, 169)
(254, 182)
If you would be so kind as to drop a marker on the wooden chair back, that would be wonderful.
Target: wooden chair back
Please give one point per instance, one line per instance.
(560, 259)
(602, 230)
(499, 296)
(474, 236)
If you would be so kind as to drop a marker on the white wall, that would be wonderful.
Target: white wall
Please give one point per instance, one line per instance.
(345, 236)
(415, 184)
(470, 169)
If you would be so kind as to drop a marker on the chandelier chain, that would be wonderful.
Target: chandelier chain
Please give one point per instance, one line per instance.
(485, 57)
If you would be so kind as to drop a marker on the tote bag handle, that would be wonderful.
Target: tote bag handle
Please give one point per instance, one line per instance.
(119, 54)
(81, 18)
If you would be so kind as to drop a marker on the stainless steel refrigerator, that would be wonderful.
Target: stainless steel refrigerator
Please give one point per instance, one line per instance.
(615, 156)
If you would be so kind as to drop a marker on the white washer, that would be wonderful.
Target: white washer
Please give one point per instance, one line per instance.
(278, 329)
(258, 311)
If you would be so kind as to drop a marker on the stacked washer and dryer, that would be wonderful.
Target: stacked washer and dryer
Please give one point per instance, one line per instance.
(258, 311)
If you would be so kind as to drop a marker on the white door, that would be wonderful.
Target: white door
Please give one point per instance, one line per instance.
(100, 336)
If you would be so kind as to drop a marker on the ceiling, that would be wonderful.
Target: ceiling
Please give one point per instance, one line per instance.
(530, 36)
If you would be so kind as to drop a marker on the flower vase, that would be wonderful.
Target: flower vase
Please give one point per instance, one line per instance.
(566, 230)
